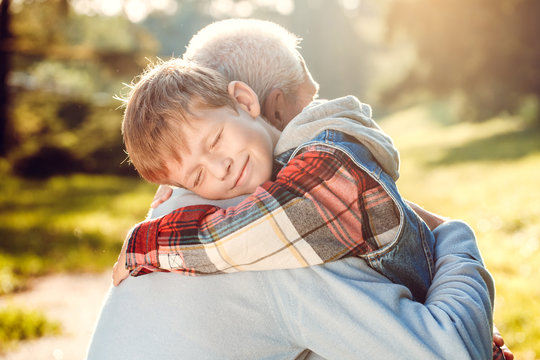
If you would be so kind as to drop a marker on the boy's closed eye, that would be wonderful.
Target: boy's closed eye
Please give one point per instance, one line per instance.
(217, 139)
(198, 178)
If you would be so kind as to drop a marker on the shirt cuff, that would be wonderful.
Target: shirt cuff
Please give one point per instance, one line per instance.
(142, 249)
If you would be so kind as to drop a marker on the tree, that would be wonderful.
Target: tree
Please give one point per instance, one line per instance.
(487, 50)
(65, 69)
(5, 51)
(338, 56)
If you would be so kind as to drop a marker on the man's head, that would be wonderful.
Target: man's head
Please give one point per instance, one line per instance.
(186, 125)
(263, 55)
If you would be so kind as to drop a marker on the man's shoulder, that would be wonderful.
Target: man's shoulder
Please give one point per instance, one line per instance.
(329, 140)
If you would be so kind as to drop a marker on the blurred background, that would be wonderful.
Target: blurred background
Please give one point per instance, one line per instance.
(456, 83)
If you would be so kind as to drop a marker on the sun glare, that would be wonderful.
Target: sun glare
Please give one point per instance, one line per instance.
(134, 10)
(245, 8)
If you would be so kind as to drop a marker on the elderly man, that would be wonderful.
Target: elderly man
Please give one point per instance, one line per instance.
(340, 310)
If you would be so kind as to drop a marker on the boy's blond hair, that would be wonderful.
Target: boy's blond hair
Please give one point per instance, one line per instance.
(260, 53)
(157, 107)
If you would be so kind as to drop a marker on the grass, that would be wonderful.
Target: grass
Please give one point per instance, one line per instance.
(72, 223)
(486, 174)
(17, 324)
(65, 224)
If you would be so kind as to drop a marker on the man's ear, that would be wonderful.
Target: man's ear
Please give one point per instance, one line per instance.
(273, 108)
(245, 97)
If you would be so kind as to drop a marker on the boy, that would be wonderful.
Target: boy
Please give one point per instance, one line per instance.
(331, 198)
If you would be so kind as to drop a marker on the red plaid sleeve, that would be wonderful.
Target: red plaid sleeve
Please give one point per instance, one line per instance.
(321, 207)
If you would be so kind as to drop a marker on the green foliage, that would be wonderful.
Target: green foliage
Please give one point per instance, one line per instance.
(70, 79)
(340, 59)
(483, 49)
(486, 174)
(174, 31)
(58, 135)
(74, 223)
(109, 34)
(66, 68)
(17, 324)
(51, 29)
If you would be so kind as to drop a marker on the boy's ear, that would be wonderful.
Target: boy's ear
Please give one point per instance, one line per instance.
(245, 97)
(273, 108)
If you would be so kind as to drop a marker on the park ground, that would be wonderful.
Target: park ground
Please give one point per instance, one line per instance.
(76, 312)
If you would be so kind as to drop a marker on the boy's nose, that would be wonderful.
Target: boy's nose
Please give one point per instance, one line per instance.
(219, 166)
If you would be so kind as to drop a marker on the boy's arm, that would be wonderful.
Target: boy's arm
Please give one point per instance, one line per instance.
(166, 201)
(308, 216)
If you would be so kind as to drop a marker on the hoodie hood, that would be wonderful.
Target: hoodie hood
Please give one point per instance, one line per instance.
(347, 115)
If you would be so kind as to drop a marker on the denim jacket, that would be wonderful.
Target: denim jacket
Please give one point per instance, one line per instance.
(408, 258)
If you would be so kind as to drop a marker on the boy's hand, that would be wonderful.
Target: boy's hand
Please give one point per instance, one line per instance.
(432, 220)
(163, 193)
(119, 269)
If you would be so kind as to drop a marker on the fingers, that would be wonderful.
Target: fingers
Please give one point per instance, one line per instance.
(508, 355)
(163, 193)
(499, 341)
(119, 269)
(432, 220)
(159, 192)
(119, 274)
(497, 337)
(115, 276)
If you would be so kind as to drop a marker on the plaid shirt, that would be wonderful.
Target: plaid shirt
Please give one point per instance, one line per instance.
(321, 207)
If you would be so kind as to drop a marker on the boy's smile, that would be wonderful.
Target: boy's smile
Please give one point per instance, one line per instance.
(223, 154)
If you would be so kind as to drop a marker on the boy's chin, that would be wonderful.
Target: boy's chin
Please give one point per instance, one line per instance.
(232, 193)
(241, 192)
(227, 196)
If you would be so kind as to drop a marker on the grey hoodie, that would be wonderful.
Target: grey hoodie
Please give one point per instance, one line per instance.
(347, 115)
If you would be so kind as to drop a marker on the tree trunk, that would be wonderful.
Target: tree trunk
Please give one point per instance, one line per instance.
(5, 50)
